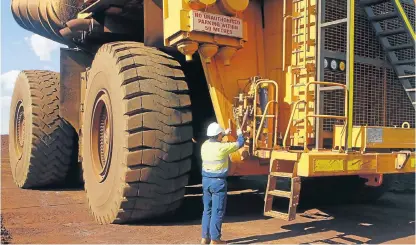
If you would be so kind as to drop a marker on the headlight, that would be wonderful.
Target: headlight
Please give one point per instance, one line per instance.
(334, 65)
(325, 63)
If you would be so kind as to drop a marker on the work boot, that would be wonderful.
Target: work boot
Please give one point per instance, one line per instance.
(205, 241)
(218, 242)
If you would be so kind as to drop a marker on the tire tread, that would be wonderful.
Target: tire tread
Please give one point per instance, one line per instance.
(52, 138)
(158, 132)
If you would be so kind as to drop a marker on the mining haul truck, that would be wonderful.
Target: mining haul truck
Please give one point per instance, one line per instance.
(322, 89)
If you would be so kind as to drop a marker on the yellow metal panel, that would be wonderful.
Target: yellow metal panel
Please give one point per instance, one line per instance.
(303, 165)
(285, 155)
(386, 164)
(392, 138)
(361, 164)
(328, 165)
(174, 17)
(357, 136)
(184, 17)
(377, 137)
(354, 164)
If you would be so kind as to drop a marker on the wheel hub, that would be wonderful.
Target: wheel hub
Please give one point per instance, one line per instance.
(19, 126)
(104, 141)
(101, 135)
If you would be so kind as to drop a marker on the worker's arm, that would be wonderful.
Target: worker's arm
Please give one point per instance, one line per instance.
(240, 141)
(232, 147)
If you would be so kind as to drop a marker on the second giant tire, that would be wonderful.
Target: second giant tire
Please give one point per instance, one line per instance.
(40, 142)
(136, 133)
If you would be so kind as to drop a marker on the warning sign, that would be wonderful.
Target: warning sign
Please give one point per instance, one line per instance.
(217, 24)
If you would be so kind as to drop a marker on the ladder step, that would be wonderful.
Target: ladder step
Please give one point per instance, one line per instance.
(411, 90)
(278, 193)
(404, 62)
(281, 174)
(400, 47)
(276, 214)
(391, 32)
(385, 16)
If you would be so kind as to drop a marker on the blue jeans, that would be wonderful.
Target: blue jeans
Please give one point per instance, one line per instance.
(215, 201)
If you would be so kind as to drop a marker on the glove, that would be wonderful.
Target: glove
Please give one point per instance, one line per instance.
(227, 131)
(239, 132)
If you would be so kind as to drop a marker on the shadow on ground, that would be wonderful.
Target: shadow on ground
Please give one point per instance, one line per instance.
(391, 217)
(382, 221)
(242, 205)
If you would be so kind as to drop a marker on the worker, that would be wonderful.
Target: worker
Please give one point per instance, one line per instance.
(214, 156)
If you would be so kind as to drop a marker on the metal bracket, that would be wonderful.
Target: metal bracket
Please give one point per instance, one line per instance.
(401, 159)
(373, 179)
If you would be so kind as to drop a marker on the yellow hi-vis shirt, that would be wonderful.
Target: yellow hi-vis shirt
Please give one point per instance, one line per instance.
(214, 156)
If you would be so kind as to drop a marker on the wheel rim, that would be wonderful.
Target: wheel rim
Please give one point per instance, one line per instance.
(101, 136)
(19, 127)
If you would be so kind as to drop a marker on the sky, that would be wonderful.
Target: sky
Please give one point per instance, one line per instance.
(20, 50)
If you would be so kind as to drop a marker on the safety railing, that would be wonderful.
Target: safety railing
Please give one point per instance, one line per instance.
(403, 16)
(264, 115)
(308, 116)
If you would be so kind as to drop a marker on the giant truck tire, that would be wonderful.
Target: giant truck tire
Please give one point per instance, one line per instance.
(40, 142)
(136, 134)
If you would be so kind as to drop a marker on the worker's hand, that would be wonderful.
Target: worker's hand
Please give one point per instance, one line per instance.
(239, 131)
(227, 131)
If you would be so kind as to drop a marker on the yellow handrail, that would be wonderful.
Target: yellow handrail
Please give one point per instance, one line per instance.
(262, 122)
(406, 20)
(290, 121)
(258, 83)
(284, 41)
(285, 17)
(307, 116)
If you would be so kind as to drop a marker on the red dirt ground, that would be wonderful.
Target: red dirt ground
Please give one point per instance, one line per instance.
(61, 216)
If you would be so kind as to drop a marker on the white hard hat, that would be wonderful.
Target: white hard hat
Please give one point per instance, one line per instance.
(214, 129)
